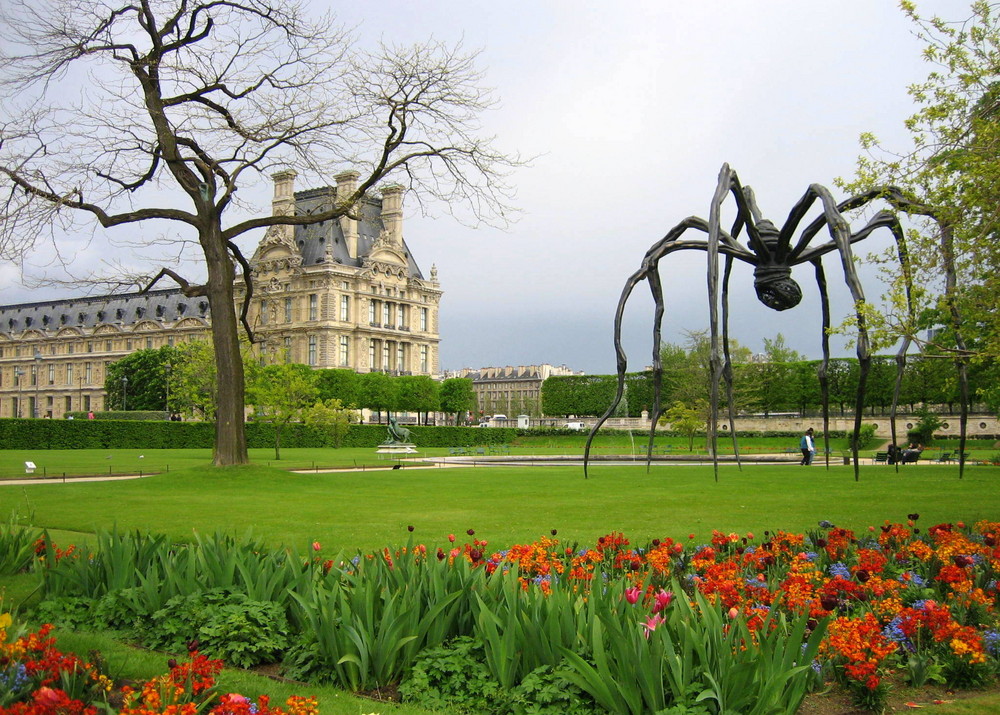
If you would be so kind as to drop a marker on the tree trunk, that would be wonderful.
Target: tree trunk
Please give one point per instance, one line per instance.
(230, 434)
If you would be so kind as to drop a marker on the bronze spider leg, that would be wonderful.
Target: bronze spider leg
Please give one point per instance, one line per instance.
(884, 219)
(822, 373)
(746, 213)
(727, 363)
(668, 244)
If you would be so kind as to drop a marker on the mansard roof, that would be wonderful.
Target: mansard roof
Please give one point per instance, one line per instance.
(124, 309)
(312, 241)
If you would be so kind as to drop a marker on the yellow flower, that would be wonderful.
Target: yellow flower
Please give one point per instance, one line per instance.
(5, 620)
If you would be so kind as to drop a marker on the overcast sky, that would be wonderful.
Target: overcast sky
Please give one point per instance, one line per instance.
(631, 109)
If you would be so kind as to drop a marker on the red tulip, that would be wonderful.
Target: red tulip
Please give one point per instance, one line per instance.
(632, 594)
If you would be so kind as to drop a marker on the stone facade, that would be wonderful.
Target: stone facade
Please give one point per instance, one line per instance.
(341, 294)
(510, 390)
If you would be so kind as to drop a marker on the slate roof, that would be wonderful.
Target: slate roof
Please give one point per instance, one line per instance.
(313, 240)
(125, 309)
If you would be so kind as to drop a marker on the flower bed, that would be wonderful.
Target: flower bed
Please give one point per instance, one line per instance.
(554, 627)
(37, 679)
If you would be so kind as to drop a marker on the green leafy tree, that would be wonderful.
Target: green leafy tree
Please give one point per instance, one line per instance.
(687, 420)
(192, 377)
(331, 418)
(417, 393)
(192, 380)
(775, 377)
(146, 373)
(457, 397)
(689, 380)
(952, 172)
(279, 394)
(376, 392)
(577, 394)
(338, 385)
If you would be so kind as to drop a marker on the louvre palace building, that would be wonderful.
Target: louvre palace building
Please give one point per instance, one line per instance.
(338, 294)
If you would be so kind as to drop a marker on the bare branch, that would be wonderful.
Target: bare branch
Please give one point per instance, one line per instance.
(191, 291)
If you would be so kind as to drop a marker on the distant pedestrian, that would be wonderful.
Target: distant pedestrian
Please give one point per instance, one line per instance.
(808, 447)
(90, 415)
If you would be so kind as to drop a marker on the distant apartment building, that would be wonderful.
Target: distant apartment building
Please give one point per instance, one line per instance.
(510, 390)
(339, 294)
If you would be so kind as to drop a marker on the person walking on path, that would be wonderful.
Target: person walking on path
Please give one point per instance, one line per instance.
(808, 447)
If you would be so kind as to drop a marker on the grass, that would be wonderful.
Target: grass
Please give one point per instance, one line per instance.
(370, 509)
(76, 462)
(367, 510)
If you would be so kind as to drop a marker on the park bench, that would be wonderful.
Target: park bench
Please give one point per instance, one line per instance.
(943, 458)
(909, 457)
(880, 458)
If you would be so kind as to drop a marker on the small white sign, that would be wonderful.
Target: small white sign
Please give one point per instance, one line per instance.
(29, 467)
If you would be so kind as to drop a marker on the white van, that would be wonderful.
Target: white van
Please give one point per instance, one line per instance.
(576, 426)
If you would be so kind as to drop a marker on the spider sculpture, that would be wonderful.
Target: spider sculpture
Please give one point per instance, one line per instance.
(773, 252)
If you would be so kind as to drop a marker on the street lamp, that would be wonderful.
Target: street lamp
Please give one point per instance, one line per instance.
(167, 401)
(124, 392)
(38, 378)
(18, 378)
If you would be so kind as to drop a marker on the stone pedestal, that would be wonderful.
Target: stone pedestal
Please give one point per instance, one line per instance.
(397, 448)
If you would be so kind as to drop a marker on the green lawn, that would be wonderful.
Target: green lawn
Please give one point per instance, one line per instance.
(371, 509)
(76, 462)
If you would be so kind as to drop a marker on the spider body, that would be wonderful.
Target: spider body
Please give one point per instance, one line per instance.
(772, 252)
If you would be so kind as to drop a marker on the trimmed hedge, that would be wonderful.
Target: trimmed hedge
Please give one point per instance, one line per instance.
(130, 434)
(119, 415)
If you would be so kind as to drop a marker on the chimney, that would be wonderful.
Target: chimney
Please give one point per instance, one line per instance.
(347, 184)
(283, 203)
(392, 212)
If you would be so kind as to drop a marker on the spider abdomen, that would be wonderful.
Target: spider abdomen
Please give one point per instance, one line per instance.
(775, 287)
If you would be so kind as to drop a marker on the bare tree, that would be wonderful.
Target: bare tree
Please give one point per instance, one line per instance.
(158, 111)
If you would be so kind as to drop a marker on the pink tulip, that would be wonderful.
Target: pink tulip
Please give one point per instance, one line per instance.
(652, 622)
(663, 599)
(632, 594)
(317, 546)
(733, 612)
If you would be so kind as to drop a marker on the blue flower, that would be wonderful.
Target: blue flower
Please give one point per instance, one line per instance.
(14, 680)
(991, 641)
(914, 578)
(839, 569)
(894, 632)
(812, 555)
